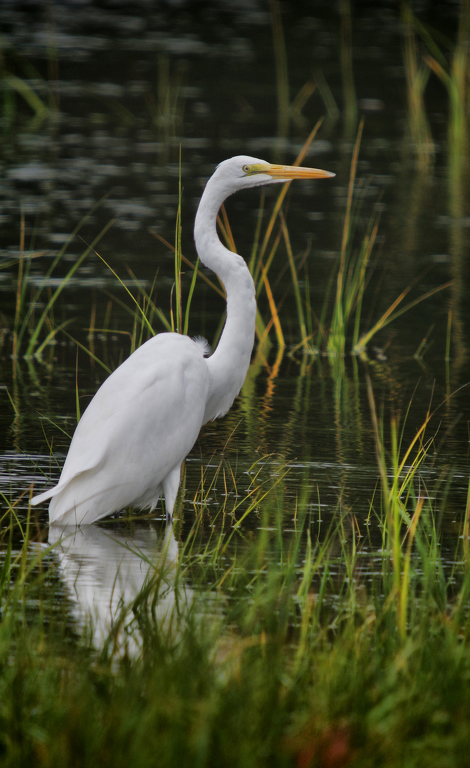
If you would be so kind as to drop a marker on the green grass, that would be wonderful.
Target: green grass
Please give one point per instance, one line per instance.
(17, 92)
(307, 647)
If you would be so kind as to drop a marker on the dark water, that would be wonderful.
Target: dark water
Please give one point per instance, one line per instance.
(119, 91)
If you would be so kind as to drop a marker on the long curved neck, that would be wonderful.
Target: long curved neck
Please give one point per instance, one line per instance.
(229, 363)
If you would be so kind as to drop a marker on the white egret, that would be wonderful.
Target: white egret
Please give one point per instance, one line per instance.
(130, 443)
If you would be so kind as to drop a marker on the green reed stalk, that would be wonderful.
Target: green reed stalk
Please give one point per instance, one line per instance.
(336, 340)
(152, 308)
(404, 594)
(295, 280)
(417, 75)
(390, 495)
(359, 281)
(190, 297)
(20, 86)
(77, 397)
(454, 76)
(178, 230)
(21, 286)
(89, 353)
(395, 512)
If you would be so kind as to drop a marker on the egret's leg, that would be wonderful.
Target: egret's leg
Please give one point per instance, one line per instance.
(171, 484)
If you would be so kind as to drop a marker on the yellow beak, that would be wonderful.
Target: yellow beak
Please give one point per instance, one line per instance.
(293, 172)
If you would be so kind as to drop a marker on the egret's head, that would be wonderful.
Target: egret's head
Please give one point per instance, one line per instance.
(242, 172)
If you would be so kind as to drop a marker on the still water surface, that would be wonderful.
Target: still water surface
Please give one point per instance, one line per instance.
(123, 91)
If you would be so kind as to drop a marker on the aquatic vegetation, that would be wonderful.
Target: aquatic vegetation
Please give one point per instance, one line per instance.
(451, 69)
(16, 85)
(417, 76)
(32, 314)
(281, 649)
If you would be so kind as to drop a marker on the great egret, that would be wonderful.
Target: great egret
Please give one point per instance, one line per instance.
(130, 443)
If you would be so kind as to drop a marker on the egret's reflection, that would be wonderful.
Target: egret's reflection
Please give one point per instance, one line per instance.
(105, 571)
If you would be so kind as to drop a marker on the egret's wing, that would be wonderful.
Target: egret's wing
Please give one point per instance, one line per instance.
(86, 462)
(140, 425)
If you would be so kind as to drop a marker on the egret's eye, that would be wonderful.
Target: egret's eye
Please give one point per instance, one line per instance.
(246, 168)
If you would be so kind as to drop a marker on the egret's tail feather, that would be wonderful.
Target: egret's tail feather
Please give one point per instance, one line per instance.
(44, 496)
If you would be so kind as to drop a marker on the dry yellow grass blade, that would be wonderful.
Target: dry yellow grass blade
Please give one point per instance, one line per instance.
(389, 315)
